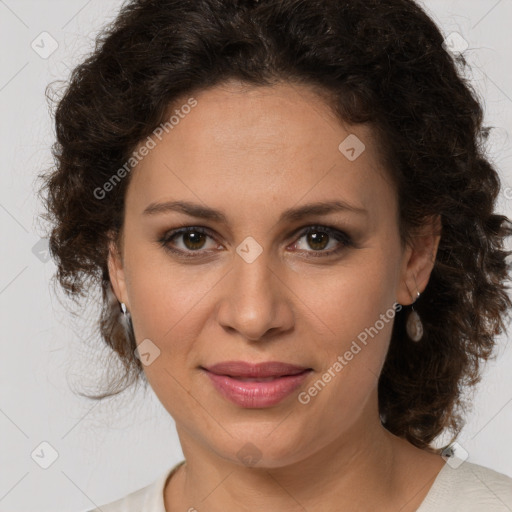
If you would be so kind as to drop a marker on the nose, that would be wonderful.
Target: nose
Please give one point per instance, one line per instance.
(255, 300)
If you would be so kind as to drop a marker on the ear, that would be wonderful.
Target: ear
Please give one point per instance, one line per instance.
(116, 271)
(418, 260)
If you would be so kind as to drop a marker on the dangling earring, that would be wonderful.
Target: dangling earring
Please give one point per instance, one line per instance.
(126, 320)
(414, 326)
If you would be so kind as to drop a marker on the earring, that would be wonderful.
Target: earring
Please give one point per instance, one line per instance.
(414, 326)
(126, 320)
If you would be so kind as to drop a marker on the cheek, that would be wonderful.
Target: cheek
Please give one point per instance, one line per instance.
(353, 320)
(168, 310)
(164, 294)
(344, 303)
(166, 305)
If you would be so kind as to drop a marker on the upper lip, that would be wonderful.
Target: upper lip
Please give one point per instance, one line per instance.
(247, 370)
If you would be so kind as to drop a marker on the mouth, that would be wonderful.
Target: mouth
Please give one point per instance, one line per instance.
(256, 385)
(257, 379)
(242, 370)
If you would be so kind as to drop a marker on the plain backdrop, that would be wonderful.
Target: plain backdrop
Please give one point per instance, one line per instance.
(97, 453)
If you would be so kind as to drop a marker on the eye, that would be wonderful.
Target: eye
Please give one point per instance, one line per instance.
(194, 238)
(320, 237)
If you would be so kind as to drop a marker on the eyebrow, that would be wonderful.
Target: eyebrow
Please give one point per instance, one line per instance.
(292, 214)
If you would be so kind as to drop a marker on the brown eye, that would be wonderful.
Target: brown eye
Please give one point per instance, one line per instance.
(193, 240)
(188, 241)
(317, 240)
(320, 238)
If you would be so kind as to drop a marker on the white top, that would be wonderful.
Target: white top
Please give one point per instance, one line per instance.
(468, 488)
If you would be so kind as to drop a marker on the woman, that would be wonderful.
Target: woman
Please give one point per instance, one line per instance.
(292, 220)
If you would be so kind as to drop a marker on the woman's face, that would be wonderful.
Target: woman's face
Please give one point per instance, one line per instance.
(253, 285)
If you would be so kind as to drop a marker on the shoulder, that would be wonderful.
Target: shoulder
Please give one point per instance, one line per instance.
(469, 487)
(149, 498)
(129, 503)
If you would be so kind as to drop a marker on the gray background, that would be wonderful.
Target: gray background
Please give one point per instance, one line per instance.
(106, 451)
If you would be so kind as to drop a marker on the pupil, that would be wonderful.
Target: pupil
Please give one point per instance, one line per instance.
(193, 240)
(313, 240)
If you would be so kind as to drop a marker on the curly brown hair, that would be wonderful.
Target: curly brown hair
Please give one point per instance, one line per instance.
(380, 62)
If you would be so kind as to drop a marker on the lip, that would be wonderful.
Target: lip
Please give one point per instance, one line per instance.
(259, 370)
(270, 382)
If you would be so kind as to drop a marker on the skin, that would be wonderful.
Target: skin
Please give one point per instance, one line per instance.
(253, 153)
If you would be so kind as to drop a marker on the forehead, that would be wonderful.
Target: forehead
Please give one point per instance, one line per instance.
(257, 143)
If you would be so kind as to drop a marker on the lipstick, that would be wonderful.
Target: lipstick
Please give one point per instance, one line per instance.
(256, 385)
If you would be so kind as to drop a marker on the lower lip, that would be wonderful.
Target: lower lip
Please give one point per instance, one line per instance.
(253, 394)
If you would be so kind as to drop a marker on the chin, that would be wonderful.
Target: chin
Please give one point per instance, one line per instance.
(258, 448)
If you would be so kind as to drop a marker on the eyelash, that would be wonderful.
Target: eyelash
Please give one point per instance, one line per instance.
(338, 235)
